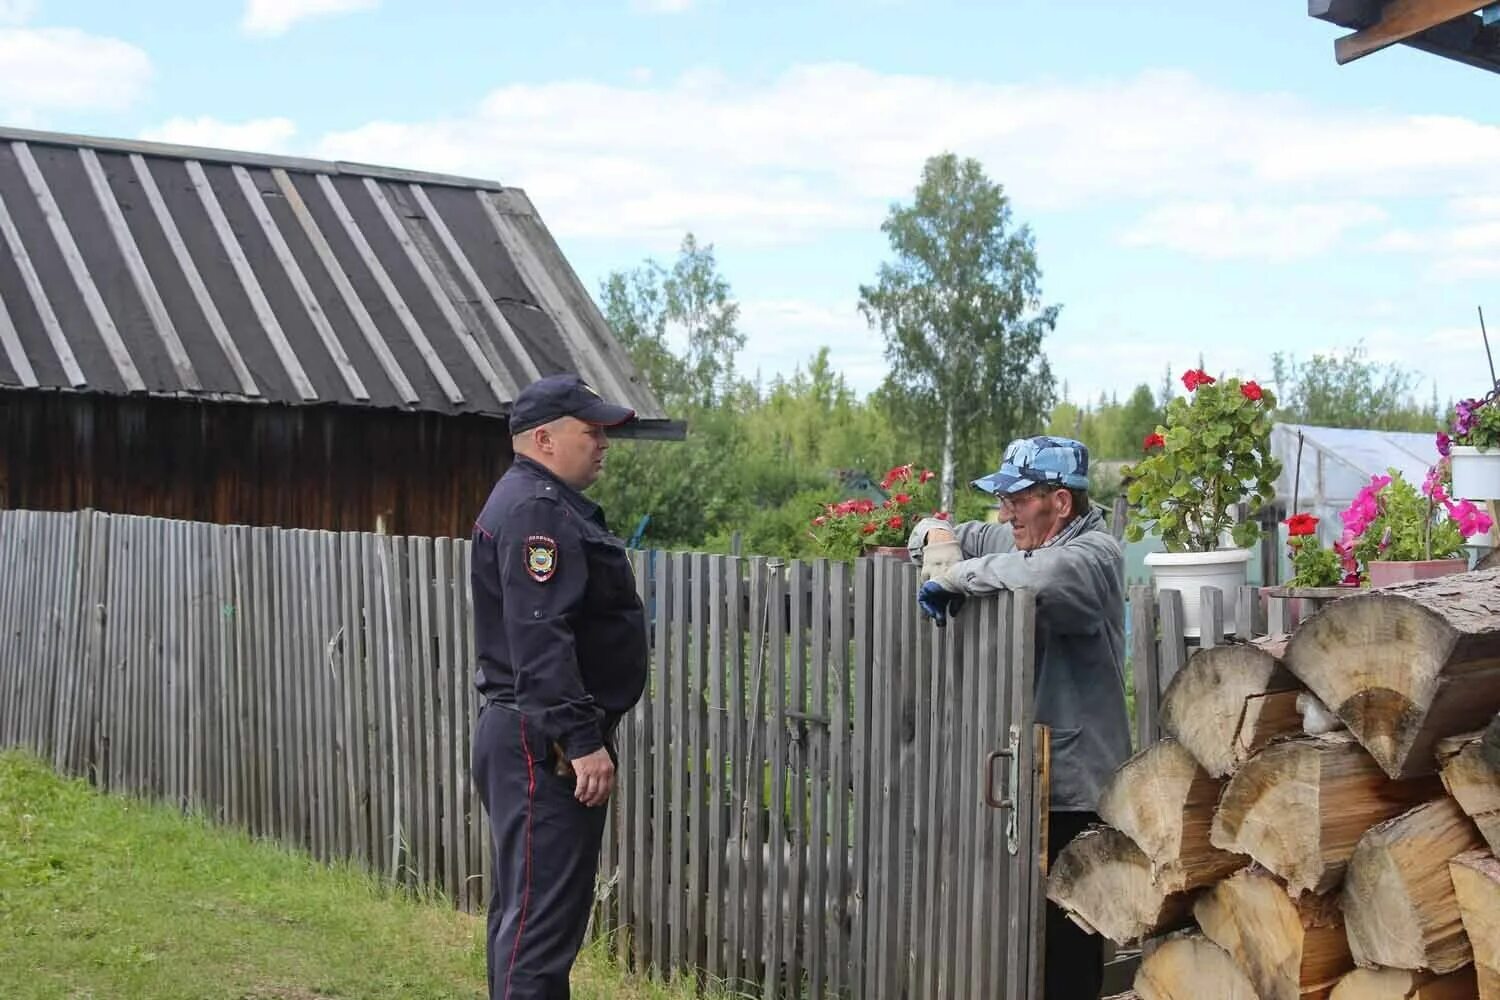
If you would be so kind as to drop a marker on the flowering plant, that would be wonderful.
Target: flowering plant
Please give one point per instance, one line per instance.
(1213, 452)
(1314, 565)
(1391, 520)
(843, 529)
(1476, 422)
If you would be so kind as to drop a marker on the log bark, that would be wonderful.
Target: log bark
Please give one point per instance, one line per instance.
(1165, 802)
(1205, 704)
(1400, 984)
(1491, 746)
(1407, 665)
(1189, 967)
(1102, 880)
(1300, 806)
(1476, 884)
(1286, 948)
(1473, 782)
(1400, 909)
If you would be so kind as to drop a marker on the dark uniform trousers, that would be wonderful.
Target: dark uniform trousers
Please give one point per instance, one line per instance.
(545, 856)
(1075, 958)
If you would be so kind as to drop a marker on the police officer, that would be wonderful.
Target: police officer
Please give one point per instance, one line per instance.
(561, 640)
(1053, 542)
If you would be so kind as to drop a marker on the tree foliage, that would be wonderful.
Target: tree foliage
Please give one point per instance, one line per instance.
(1349, 390)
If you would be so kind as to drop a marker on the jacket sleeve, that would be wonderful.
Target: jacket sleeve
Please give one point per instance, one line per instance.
(1071, 582)
(975, 538)
(542, 610)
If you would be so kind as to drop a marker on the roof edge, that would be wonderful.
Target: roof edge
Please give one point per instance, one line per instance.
(210, 154)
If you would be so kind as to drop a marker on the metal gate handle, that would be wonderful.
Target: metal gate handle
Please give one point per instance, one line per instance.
(1012, 753)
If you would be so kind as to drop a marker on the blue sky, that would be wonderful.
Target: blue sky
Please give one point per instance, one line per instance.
(1202, 179)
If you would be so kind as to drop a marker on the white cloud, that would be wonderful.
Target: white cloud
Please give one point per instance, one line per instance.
(258, 135)
(782, 335)
(63, 69)
(1275, 232)
(831, 145)
(275, 17)
(661, 6)
(16, 11)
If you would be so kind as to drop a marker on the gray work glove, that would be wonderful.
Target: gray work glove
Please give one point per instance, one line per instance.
(938, 558)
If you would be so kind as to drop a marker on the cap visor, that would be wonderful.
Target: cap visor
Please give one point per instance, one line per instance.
(1002, 483)
(605, 414)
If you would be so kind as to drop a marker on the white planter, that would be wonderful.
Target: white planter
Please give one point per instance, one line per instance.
(1189, 572)
(1476, 473)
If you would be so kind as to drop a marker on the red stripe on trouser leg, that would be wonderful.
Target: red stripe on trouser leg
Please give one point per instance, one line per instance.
(525, 892)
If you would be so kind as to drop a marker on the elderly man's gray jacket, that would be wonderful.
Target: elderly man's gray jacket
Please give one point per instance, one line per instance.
(1078, 580)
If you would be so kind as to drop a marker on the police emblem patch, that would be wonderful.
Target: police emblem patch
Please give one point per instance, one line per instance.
(541, 558)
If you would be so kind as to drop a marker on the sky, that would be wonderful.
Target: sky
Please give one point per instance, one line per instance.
(1202, 180)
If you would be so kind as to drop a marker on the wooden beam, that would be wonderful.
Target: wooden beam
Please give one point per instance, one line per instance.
(1398, 21)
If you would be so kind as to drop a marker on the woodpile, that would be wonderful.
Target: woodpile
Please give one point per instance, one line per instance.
(1254, 859)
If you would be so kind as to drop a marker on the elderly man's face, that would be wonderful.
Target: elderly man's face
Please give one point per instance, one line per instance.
(1036, 514)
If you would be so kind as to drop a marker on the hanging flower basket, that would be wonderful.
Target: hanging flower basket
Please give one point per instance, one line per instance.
(1476, 472)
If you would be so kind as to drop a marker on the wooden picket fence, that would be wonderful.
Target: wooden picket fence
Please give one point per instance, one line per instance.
(821, 794)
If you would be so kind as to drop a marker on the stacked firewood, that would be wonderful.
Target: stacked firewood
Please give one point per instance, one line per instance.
(1323, 818)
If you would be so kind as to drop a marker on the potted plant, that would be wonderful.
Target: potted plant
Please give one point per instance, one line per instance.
(863, 527)
(1473, 444)
(1394, 532)
(1312, 564)
(1212, 453)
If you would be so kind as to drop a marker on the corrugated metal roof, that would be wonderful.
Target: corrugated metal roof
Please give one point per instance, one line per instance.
(130, 267)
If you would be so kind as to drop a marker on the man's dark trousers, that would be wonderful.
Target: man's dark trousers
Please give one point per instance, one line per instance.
(546, 854)
(1075, 958)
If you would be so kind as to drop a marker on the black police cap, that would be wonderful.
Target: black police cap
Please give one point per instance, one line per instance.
(564, 395)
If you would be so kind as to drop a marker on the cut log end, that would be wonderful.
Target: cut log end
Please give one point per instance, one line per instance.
(1103, 881)
(1165, 802)
(1191, 968)
(1400, 910)
(1288, 949)
(1474, 783)
(1476, 885)
(1401, 984)
(1406, 665)
(1204, 704)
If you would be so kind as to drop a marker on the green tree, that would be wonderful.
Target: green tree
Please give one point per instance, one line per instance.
(960, 309)
(1350, 390)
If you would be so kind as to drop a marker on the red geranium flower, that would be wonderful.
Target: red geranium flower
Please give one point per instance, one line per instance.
(902, 498)
(895, 523)
(926, 475)
(870, 528)
(819, 521)
(1193, 379)
(1154, 441)
(1251, 391)
(1301, 524)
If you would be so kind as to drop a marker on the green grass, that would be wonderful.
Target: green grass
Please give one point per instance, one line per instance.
(102, 896)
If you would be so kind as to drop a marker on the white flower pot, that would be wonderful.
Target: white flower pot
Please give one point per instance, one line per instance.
(1189, 572)
(1476, 472)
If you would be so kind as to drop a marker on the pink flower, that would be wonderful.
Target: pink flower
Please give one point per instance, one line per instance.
(1470, 519)
(1444, 444)
(1432, 486)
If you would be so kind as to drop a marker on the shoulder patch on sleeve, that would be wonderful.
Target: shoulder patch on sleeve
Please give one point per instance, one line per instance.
(541, 557)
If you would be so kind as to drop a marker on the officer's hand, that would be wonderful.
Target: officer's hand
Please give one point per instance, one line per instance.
(938, 602)
(595, 774)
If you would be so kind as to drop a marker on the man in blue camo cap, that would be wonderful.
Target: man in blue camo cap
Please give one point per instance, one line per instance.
(1053, 542)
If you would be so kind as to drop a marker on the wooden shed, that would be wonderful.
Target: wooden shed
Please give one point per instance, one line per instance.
(265, 340)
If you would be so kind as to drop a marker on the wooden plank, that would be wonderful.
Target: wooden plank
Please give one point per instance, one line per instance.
(392, 295)
(799, 728)
(351, 683)
(699, 805)
(659, 948)
(931, 728)
(1022, 903)
(476, 820)
(189, 269)
(991, 642)
(678, 737)
(140, 275)
(1211, 618)
(736, 595)
(426, 676)
(1145, 673)
(776, 845)
(261, 305)
(503, 388)
(446, 729)
(39, 300)
(1173, 636)
(717, 961)
(641, 853)
(1278, 616)
(1399, 20)
(114, 345)
(947, 918)
(753, 762)
(1246, 607)
(821, 854)
(293, 271)
(15, 354)
(969, 792)
(340, 278)
(528, 369)
(861, 958)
